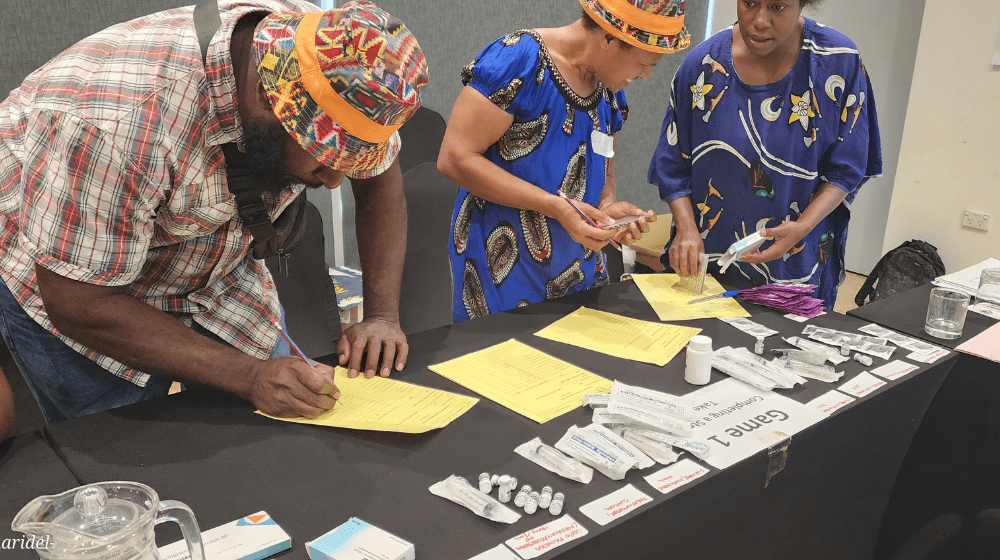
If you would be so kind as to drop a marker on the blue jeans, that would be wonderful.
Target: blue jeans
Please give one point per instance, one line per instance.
(65, 383)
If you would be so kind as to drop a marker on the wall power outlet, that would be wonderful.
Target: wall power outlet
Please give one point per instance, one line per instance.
(976, 220)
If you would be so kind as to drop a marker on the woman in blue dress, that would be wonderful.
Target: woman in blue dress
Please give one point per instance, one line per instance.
(537, 119)
(771, 126)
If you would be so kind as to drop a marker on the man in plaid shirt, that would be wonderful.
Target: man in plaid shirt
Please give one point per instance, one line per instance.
(124, 261)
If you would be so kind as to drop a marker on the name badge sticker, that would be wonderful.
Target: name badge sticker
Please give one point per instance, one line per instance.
(602, 144)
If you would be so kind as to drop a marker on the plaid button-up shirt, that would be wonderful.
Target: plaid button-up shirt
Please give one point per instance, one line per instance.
(112, 173)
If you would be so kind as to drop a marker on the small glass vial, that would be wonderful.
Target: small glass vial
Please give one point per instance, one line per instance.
(759, 347)
(545, 498)
(522, 495)
(863, 360)
(698, 360)
(485, 484)
(531, 504)
(495, 480)
(845, 349)
(513, 483)
(555, 508)
(503, 494)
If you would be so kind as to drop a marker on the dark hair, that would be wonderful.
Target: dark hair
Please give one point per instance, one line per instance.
(590, 25)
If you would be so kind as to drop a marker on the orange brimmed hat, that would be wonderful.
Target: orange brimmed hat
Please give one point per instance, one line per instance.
(652, 25)
(341, 82)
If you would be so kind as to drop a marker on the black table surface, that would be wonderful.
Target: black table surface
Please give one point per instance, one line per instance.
(906, 311)
(209, 450)
(946, 498)
(28, 468)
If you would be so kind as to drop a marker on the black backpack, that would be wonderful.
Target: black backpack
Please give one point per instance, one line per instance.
(912, 264)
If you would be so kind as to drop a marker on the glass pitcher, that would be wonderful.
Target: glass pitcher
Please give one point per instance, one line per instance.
(104, 521)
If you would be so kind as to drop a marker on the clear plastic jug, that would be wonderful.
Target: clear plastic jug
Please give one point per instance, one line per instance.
(104, 521)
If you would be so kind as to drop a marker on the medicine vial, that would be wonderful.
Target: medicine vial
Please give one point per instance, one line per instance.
(522, 495)
(495, 480)
(531, 504)
(759, 347)
(545, 498)
(513, 483)
(845, 349)
(555, 508)
(698, 360)
(863, 360)
(485, 484)
(503, 494)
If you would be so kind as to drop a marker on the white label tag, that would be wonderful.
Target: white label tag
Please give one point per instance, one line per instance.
(616, 504)
(676, 475)
(540, 540)
(862, 385)
(602, 144)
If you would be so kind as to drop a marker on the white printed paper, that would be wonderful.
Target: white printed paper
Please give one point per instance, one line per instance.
(924, 359)
(538, 541)
(862, 385)
(901, 340)
(498, 552)
(751, 328)
(830, 402)
(673, 477)
(617, 504)
(894, 370)
(738, 421)
(801, 318)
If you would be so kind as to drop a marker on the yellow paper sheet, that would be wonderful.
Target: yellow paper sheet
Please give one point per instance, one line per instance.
(671, 304)
(523, 379)
(387, 405)
(622, 337)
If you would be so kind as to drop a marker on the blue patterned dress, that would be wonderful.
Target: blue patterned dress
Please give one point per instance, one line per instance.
(751, 156)
(502, 257)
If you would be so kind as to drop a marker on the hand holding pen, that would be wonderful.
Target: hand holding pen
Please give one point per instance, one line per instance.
(292, 385)
(577, 209)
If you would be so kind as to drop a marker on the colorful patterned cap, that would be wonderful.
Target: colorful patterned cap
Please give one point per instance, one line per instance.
(341, 82)
(652, 25)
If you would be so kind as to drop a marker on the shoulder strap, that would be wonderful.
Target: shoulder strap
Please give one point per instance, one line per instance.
(206, 23)
(248, 194)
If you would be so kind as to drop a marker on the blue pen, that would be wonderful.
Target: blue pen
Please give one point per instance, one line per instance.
(291, 343)
(730, 293)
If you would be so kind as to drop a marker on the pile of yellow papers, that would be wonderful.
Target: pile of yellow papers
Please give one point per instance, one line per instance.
(525, 380)
(618, 336)
(671, 304)
(387, 405)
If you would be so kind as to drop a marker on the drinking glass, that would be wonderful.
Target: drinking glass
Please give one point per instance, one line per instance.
(946, 313)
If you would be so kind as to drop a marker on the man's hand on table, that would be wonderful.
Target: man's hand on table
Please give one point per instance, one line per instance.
(379, 342)
(287, 387)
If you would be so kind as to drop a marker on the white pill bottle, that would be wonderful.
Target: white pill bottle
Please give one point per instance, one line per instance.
(698, 361)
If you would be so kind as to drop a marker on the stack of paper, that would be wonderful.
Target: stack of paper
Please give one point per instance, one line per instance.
(387, 405)
(967, 279)
(623, 337)
(525, 380)
(985, 344)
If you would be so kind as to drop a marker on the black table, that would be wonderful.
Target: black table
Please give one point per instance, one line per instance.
(28, 468)
(210, 451)
(945, 503)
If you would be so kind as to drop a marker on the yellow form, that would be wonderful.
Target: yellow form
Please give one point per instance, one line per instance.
(523, 379)
(619, 336)
(671, 304)
(387, 405)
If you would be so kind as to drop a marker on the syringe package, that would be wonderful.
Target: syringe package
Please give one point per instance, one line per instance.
(458, 490)
(554, 460)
